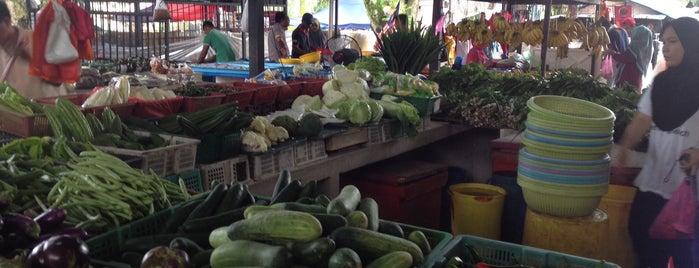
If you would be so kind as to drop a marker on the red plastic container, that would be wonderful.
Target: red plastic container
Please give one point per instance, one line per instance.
(193, 104)
(312, 86)
(156, 108)
(123, 110)
(264, 93)
(407, 191)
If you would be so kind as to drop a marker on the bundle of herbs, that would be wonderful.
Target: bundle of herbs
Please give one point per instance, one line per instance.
(410, 48)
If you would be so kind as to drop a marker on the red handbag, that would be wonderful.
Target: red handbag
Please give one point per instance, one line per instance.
(676, 219)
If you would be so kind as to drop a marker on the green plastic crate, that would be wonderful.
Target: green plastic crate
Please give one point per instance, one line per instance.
(218, 146)
(192, 179)
(105, 246)
(496, 252)
(148, 225)
(437, 239)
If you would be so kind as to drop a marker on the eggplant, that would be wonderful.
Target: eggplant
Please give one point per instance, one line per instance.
(72, 231)
(15, 222)
(16, 242)
(60, 251)
(162, 256)
(51, 220)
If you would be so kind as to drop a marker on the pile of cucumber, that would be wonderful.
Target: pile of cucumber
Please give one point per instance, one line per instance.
(295, 227)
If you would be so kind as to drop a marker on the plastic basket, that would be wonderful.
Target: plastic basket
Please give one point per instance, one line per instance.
(436, 238)
(568, 203)
(375, 132)
(263, 164)
(553, 130)
(175, 158)
(287, 93)
(106, 245)
(284, 157)
(217, 146)
(193, 104)
(579, 129)
(264, 93)
(567, 140)
(565, 152)
(191, 179)
(312, 86)
(123, 110)
(151, 224)
(302, 152)
(571, 110)
(241, 96)
(24, 125)
(503, 253)
(564, 176)
(156, 108)
(6, 138)
(603, 161)
(317, 149)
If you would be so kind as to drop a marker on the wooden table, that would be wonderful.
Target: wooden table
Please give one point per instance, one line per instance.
(327, 171)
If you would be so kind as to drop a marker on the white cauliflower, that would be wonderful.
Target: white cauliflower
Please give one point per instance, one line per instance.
(255, 142)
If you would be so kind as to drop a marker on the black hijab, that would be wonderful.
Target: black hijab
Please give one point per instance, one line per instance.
(675, 94)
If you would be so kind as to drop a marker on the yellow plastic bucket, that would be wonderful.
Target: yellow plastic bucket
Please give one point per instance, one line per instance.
(476, 209)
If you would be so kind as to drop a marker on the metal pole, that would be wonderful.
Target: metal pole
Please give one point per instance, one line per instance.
(257, 37)
(545, 42)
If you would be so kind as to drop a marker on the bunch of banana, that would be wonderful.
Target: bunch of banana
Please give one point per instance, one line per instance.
(482, 37)
(499, 37)
(464, 30)
(557, 39)
(478, 26)
(532, 35)
(500, 23)
(598, 39)
(576, 31)
(451, 29)
(562, 52)
(562, 24)
(513, 38)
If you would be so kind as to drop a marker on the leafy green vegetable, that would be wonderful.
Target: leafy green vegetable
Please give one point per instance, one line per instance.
(405, 112)
(359, 112)
(373, 65)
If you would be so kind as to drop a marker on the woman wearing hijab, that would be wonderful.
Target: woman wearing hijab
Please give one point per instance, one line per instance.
(315, 36)
(633, 63)
(668, 110)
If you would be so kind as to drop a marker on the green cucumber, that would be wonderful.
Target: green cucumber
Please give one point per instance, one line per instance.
(282, 181)
(330, 222)
(419, 238)
(322, 200)
(396, 259)
(249, 253)
(250, 211)
(371, 245)
(233, 199)
(208, 207)
(296, 206)
(290, 193)
(345, 202)
(202, 258)
(310, 189)
(357, 219)
(371, 209)
(277, 226)
(345, 258)
(186, 244)
(391, 228)
(207, 224)
(218, 237)
(313, 252)
(180, 215)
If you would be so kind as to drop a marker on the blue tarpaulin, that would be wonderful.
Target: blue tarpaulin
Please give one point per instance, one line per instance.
(351, 15)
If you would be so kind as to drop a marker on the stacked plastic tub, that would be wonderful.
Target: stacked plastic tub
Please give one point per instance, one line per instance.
(564, 167)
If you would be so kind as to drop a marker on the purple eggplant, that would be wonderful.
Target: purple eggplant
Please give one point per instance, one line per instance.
(72, 231)
(162, 256)
(15, 222)
(16, 242)
(59, 251)
(51, 220)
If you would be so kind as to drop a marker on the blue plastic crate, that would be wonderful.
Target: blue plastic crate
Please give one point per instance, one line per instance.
(496, 252)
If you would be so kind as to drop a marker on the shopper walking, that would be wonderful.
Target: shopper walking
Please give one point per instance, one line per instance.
(219, 42)
(669, 111)
(635, 59)
(15, 57)
(276, 38)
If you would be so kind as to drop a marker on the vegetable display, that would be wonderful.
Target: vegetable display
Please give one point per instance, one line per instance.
(11, 100)
(60, 251)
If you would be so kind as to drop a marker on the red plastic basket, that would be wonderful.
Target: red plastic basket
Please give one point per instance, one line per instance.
(312, 86)
(240, 95)
(123, 110)
(193, 104)
(156, 108)
(264, 93)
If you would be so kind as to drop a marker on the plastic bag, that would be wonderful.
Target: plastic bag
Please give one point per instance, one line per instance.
(607, 69)
(160, 12)
(676, 219)
(59, 47)
(244, 17)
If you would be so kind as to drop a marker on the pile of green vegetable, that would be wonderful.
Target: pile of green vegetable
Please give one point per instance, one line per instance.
(11, 100)
(494, 100)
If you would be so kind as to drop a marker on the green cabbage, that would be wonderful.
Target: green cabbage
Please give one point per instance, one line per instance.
(360, 112)
(376, 110)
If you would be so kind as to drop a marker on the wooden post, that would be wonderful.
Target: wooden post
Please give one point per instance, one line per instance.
(256, 28)
(545, 42)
